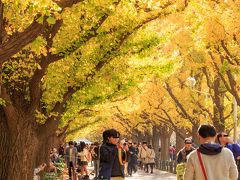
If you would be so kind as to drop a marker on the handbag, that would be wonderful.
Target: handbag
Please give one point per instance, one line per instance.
(201, 164)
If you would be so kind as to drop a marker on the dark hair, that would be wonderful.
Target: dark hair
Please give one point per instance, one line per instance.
(82, 146)
(70, 143)
(110, 133)
(150, 146)
(113, 133)
(218, 137)
(144, 143)
(207, 130)
(105, 136)
(75, 143)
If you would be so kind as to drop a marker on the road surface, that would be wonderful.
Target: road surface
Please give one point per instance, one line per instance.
(157, 175)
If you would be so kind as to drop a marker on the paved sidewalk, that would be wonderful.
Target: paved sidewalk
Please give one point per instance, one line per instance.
(157, 175)
(140, 175)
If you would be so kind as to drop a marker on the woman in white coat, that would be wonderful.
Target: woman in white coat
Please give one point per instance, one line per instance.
(150, 160)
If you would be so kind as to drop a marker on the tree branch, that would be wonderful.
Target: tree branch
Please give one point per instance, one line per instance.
(9, 110)
(85, 38)
(231, 84)
(18, 41)
(45, 62)
(175, 128)
(177, 102)
(209, 83)
(204, 109)
(60, 106)
(34, 84)
(67, 3)
(229, 115)
(228, 53)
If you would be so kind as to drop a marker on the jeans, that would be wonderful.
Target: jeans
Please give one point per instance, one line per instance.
(71, 169)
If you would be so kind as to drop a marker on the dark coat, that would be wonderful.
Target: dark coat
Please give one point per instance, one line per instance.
(133, 155)
(182, 155)
(109, 162)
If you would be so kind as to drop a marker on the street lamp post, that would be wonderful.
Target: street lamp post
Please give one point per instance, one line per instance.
(192, 82)
(235, 116)
(235, 119)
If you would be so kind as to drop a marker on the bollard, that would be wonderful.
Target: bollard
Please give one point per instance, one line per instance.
(171, 166)
(175, 166)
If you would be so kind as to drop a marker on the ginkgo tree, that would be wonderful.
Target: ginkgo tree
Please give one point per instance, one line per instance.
(50, 59)
(204, 42)
(193, 38)
(197, 43)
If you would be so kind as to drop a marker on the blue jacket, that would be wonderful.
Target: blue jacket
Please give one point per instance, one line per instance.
(235, 148)
(74, 156)
(109, 162)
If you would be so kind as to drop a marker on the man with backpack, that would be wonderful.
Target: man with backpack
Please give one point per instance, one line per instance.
(182, 154)
(182, 157)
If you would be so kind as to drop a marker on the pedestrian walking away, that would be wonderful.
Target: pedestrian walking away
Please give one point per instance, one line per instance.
(210, 161)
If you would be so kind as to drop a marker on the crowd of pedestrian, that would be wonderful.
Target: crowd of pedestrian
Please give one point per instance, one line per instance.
(216, 158)
(112, 158)
(78, 156)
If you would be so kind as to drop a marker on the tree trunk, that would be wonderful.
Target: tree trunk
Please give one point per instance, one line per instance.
(148, 137)
(4, 146)
(195, 135)
(24, 144)
(46, 143)
(44, 151)
(165, 142)
(140, 137)
(155, 139)
(18, 153)
(155, 143)
(134, 137)
(179, 143)
(218, 110)
(218, 106)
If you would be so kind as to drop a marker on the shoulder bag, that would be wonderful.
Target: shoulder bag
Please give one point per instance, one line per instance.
(201, 164)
